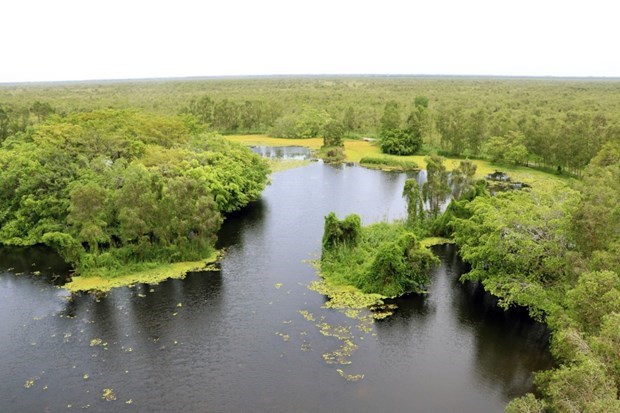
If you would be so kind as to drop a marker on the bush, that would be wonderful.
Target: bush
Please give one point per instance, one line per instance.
(341, 233)
(399, 267)
(399, 142)
(333, 154)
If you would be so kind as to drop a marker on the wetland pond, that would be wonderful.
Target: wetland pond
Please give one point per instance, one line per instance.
(252, 337)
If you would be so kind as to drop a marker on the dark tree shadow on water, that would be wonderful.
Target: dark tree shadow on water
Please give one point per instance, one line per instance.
(236, 223)
(39, 260)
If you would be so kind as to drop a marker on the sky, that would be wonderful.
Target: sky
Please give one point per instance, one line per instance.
(45, 40)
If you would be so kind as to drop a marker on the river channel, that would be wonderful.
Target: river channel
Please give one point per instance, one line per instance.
(248, 338)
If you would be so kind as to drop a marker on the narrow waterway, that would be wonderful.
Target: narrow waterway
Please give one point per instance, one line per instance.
(243, 339)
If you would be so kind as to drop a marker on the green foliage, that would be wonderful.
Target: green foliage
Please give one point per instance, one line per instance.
(331, 155)
(332, 150)
(595, 295)
(333, 134)
(517, 243)
(436, 189)
(66, 245)
(309, 122)
(579, 387)
(398, 140)
(390, 163)
(526, 404)
(377, 263)
(416, 216)
(507, 149)
(597, 220)
(523, 247)
(111, 188)
(399, 267)
(569, 344)
(565, 122)
(227, 116)
(391, 117)
(607, 345)
(462, 178)
(443, 225)
(345, 233)
(421, 101)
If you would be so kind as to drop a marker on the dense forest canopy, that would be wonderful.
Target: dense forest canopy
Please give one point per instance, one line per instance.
(558, 123)
(110, 188)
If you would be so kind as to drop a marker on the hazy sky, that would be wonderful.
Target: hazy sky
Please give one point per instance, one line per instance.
(94, 39)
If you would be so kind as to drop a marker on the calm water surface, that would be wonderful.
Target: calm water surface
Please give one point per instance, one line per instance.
(235, 340)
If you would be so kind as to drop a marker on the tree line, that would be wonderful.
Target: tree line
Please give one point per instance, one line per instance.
(558, 124)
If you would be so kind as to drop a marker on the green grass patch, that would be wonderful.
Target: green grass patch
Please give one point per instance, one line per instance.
(389, 164)
(103, 280)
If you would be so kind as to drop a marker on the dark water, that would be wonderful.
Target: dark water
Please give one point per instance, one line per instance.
(235, 341)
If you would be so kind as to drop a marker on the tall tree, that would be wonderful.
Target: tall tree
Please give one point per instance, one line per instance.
(436, 189)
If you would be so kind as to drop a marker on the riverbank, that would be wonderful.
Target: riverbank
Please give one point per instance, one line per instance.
(355, 150)
(155, 275)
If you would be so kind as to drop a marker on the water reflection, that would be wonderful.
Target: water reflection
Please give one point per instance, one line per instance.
(508, 344)
(236, 223)
(283, 152)
(38, 260)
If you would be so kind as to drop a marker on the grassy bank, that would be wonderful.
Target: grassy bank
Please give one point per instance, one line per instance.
(388, 164)
(104, 281)
(355, 150)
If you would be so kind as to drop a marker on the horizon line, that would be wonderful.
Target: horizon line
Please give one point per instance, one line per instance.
(306, 75)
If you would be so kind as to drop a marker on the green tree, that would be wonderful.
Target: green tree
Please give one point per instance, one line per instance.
(526, 404)
(518, 244)
(475, 131)
(462, 178)
(597, 221)
(451, 127)
(87, 214)
(607, 345)
(42, 110)
(333, 134)
(350, 120)
(390, 120)
(396, 140)
(436, 189)
(339, 233)
(421, 102)
(416, 215)
(399, 267)
(595, 295)
(509, 149)
(580, 387)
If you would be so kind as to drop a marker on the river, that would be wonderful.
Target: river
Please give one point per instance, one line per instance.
(240, 340)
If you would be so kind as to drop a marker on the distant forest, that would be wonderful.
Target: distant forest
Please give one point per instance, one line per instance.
(558, 124)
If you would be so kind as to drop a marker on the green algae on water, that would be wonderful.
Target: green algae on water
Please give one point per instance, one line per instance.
(104, 282)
